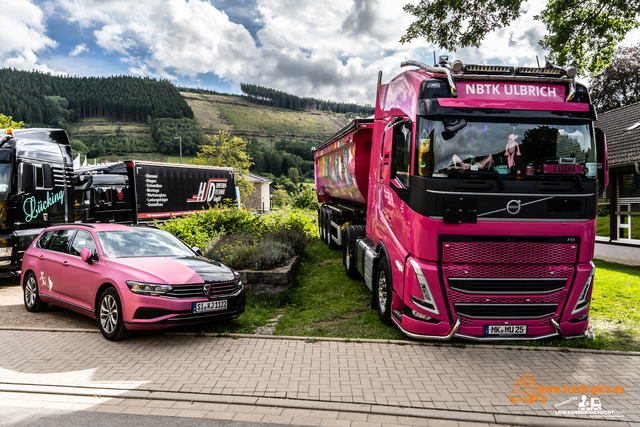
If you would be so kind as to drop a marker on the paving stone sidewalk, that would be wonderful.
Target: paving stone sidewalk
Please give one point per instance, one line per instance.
(473, 381)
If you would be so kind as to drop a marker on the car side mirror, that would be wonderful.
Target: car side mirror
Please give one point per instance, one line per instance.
(603, 161)
(196, 250)
(86, 255)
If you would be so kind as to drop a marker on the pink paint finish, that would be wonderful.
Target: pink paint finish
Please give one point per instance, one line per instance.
(79, 280)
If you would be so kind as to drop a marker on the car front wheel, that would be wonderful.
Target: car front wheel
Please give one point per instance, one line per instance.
(32, 301)
(109, 315)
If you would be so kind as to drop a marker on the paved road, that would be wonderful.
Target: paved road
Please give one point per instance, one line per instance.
(313, 382)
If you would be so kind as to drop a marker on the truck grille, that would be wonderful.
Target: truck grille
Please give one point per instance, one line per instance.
(509, 253)
(197, 290)
(506, 311)
(507, 280)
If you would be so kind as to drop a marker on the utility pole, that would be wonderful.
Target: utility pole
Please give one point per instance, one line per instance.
(180, 138)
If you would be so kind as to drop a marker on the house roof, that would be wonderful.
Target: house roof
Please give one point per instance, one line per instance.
(252, 177)
(623, 134)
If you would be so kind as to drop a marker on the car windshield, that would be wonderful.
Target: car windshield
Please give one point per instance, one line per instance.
(516, 149)
(140, 242)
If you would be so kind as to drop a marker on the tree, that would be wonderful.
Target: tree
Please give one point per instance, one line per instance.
(619, 84)
(7, 122)
(222, 150)
(582, 33)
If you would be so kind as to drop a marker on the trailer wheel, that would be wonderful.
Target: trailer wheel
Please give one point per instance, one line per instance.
(349, 237)
(383, 291)
(321, 222)
(329, 230)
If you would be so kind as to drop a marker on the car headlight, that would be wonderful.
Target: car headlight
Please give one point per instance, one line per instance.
(148, 288)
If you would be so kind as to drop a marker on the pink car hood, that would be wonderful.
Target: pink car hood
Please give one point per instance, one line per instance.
(170, 270)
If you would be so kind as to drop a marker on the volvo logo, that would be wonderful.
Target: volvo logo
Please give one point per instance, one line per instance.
(513, 207)
(209, 289)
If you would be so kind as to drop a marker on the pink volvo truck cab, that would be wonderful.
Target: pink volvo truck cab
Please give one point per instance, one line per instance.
(468, 202)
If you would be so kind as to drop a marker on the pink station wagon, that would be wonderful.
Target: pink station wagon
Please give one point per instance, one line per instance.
(128, 278)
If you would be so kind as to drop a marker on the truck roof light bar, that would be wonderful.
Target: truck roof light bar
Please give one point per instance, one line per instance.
(555, 72)
(488, 69)
(440, 70)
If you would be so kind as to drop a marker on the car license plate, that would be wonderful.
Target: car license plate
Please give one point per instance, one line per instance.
(199, 307)
(505, 330)
(563, 169)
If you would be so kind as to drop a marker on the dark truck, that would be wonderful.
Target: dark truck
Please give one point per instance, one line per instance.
(36, 189)
(138, 192)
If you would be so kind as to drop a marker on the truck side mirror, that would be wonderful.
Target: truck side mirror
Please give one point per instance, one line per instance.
(393, 171)
(28, 178)
(603, 161)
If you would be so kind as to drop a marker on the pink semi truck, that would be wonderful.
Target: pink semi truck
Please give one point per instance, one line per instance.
(468, 202)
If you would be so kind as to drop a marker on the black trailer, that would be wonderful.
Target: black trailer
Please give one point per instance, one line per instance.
(138, 191)
(36, 189)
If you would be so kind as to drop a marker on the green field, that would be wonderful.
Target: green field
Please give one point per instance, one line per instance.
(604, 225)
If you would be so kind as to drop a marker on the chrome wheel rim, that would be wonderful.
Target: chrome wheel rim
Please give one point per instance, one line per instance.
(30, 291)
(382, 292)
(108, 314)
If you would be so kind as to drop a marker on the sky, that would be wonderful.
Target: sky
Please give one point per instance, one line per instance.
(329, 49)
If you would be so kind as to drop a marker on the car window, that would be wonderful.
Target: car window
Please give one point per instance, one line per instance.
(61, 238)
(83, 239)
(45, 239)
(141, 243)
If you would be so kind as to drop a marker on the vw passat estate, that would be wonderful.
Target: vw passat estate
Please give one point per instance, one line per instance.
(128, 278)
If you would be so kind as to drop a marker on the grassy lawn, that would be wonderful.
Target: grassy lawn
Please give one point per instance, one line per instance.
(325, 303)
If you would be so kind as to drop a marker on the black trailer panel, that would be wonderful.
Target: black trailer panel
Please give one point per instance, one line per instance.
(164, 190)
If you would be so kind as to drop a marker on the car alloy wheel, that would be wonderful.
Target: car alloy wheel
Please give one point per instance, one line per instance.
(32, 301)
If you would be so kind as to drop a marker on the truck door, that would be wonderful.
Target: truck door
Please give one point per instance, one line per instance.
(393, 212)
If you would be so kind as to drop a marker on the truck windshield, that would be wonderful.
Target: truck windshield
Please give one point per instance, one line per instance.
(516, 149)
(5, 180)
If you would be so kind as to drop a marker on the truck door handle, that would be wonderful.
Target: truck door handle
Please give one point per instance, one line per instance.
(65, 263)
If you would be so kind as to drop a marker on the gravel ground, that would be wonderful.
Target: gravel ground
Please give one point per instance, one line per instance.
(13, 313)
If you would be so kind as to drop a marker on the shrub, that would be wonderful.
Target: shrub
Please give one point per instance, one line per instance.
(305, 199)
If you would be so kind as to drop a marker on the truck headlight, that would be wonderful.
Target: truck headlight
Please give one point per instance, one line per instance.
(583, 302)
(427, 303)
(6, 251)
(148, 288)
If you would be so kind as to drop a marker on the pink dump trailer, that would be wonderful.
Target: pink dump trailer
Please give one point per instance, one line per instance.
(468, 202)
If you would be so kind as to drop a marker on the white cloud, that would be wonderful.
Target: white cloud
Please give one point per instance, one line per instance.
(79, 49)
(23, 36)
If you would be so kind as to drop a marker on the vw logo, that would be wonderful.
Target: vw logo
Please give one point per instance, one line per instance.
(208, 289)
(513, 207)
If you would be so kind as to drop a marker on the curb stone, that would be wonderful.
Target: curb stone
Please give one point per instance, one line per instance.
(520, 420)
(345, 340)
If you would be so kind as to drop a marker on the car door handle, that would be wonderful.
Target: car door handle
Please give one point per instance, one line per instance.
(41, 257)
(65, 263)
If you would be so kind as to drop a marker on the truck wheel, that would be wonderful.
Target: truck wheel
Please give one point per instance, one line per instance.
(32, 301)
(383, 291)
(321, 222)
(349, 237)
(329, 230)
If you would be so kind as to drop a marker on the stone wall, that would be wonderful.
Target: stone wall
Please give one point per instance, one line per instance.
(271, 281)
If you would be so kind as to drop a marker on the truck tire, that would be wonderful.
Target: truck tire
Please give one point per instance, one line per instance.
(321, 222)
(349, 237)
(329, 230)
(383, 290)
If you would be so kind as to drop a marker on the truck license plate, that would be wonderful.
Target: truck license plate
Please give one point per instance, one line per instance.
(199, 307)
(563, 169)
(505, 330)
